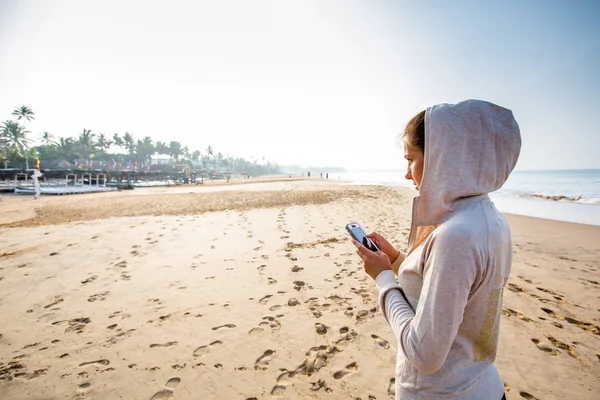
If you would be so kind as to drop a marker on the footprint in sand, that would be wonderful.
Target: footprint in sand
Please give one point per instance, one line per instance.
(543, 347)
(265, 299)
(283, 381)
(586, 326)
(97, 296)
(316, 313)
(75, 325)
(98, 362)
(561, 345)
(524, 278)
(275, 307)
(510, 313)
(167, 393)
(256, 331)
(271, 322)
(203, 350)
(345, 340)
(392, 387)
(527, 396)
(381, 342)
(168, 344)
(262, 363)
(223, 326)
(362, 315)
(551, 313)
(57, 299)
(515, 288)
(88, 280)
(349, 369)
(120, 315)
(321, 328)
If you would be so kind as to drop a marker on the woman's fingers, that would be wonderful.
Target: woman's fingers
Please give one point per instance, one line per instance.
(374, 235)
(359, 245)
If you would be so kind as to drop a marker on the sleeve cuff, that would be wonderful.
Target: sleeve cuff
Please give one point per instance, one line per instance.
(386, 280)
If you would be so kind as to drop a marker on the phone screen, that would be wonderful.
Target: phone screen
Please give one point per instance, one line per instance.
(358, 233)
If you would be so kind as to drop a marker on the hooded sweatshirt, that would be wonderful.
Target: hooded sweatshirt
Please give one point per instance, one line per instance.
(445, 307)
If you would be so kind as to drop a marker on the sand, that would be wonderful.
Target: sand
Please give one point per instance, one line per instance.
(253, 291)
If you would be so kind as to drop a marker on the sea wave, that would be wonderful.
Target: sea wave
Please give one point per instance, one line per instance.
(560, 197)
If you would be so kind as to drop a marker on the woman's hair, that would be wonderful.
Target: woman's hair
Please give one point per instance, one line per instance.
(414, 134)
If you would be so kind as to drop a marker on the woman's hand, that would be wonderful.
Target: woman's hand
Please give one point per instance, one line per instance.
(375, 262)
(384, 246)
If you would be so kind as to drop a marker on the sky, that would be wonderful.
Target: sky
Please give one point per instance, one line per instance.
(304, 82)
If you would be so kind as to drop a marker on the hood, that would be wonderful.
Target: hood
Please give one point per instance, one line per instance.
(470, 149)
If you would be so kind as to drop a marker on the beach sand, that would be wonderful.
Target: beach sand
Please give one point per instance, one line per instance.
(253, 291)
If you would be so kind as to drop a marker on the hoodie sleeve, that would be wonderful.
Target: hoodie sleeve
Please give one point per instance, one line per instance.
(425, 336)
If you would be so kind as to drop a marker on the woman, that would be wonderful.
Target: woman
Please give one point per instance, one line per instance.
(445, 306)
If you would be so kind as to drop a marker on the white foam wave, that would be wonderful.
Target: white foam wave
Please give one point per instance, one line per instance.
(560, 197)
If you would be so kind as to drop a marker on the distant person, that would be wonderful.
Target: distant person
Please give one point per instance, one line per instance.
(309, 174)
(446, 305)
(327, 175)
(321, 175)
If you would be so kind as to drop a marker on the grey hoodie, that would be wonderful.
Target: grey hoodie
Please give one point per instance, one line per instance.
(459, 258)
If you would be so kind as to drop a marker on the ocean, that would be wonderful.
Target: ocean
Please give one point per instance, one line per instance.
(563, 195)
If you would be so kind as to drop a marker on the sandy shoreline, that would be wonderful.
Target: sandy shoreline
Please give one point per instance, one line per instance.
(255, 292)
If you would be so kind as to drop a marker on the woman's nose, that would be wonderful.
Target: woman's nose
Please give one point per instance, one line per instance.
(408, 175)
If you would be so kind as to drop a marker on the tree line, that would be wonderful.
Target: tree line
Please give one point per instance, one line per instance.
(18, 149)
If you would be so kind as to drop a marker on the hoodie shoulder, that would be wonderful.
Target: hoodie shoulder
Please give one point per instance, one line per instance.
(465, 230)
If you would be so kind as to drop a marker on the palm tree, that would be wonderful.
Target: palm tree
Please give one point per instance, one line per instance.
(205, 160)
(67, 149)
(4, 141)
(161, 148)
(15, 137)
(48, 139)
(86, 142)
(129, 143)
(103, 142)
(24, 113)
(175, 150)
(219, 160)
(209, 155)
(145, 149)
(117, 141)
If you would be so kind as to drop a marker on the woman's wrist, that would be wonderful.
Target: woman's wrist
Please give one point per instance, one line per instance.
(398, 254)
(397, 261)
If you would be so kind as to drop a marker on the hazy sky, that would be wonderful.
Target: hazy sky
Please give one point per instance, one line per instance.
(304, 82)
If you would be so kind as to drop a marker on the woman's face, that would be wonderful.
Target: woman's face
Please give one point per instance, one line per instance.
(415, 165)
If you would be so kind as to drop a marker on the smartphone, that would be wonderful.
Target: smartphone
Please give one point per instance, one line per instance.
(359, 234)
